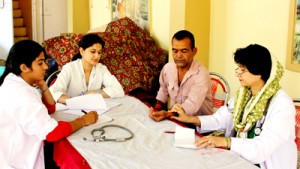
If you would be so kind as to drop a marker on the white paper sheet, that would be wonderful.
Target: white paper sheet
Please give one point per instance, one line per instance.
(103, 119)
(60, 107)
(184, 137)
(62, 116)
(80, 113)
(87, 102)
(109, 103)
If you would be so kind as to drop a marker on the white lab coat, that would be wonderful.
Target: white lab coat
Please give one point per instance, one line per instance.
(24, 124)
(71, 81)
(275, 147)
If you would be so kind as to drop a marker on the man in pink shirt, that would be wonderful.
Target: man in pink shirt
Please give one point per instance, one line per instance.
(186, 81)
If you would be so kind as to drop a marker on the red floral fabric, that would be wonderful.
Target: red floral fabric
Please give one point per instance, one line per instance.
(62, 48)
(129, 53)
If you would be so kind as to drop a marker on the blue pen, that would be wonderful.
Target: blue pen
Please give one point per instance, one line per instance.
(82, 93)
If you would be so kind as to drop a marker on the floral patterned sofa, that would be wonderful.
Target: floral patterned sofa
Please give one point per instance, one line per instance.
(129, 53)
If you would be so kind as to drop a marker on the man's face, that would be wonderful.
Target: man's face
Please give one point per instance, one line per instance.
(183, 53)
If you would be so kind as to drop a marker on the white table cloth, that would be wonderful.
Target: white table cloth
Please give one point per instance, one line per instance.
(150, 148)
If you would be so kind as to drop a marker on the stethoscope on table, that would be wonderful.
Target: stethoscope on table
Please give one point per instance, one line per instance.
(101, 137)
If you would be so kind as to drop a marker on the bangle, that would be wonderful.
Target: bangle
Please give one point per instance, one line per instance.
(227, 143)
(44, 90)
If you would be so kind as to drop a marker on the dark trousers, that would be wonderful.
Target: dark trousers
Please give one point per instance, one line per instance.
(48, 156)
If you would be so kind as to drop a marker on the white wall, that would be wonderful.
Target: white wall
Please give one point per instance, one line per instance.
(6, 29)
(100, 13)
(238, 23)
(160, 18)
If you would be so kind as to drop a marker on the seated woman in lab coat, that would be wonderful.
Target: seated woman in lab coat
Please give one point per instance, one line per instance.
(25, 102)
(260, 120)
(85, 75)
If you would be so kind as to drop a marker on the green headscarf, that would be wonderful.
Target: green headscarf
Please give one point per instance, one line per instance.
(248, 110)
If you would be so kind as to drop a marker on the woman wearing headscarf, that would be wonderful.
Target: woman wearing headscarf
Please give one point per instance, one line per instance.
(260, 120)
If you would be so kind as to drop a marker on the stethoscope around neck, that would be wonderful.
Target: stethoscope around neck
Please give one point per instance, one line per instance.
(102, 137)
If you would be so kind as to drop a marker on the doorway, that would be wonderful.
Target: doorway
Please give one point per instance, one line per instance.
(49, 18)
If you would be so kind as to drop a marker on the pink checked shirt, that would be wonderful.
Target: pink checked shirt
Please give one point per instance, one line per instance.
(194, 92)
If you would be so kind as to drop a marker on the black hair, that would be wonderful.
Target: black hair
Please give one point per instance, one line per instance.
(185, 34)
(22, 52)
(87, 41)
(256, 58)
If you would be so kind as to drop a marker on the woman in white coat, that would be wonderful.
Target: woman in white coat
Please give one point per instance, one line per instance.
(85, 75)
(260, 120)
(25, 102)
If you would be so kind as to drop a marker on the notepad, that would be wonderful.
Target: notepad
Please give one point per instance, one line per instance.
(184, 137)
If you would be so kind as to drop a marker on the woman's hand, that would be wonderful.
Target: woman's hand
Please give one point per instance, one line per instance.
(89, 118)
(212, 142)
(104, 95)
(182, 117)
(85, 120)
(46, 95)
(91, 92)
(41, 84)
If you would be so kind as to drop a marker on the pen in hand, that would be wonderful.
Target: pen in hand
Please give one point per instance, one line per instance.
(83, 111)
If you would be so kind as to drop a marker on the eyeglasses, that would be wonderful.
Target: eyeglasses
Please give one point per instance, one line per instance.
(241, 71)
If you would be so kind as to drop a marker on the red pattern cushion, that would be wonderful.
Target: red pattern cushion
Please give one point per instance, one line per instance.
(129, 53)
(62, 48)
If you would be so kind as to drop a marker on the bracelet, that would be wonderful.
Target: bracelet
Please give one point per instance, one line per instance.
(227, 143)
(44, 90)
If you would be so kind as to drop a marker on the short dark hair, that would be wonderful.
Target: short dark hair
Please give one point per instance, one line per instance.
(185, 34)
(22, 52)
(87, 41)
(256, 58)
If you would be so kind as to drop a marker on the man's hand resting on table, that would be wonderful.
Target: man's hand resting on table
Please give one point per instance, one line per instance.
(160, 115)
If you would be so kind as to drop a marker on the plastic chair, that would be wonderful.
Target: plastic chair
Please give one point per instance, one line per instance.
(220, 93)
(297, 127)
(51, 79)
(220, 90)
